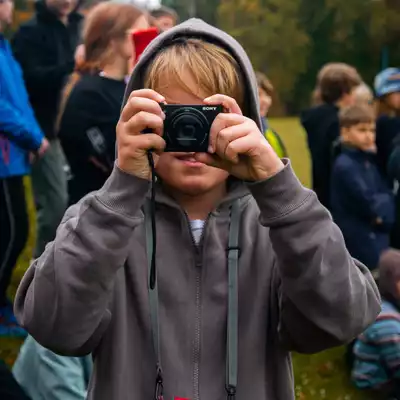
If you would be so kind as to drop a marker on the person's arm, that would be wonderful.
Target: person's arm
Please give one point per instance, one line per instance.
(326, 297)
(63, 298)
(29, 52)
(389, 349)
(88, 124)
(61, 378)
(14, 126)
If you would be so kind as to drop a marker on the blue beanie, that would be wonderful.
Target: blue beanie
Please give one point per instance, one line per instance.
(387, 81)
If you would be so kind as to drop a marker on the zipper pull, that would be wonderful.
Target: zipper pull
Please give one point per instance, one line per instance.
(159, 394)
(231, 392)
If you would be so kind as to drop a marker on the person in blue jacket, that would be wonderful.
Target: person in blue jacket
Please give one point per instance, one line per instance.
(19, 136)
(362, 202)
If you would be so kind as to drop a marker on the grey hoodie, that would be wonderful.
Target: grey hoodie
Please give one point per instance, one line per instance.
(299, 289)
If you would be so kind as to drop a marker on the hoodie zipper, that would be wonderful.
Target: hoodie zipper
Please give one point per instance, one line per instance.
(197, 335)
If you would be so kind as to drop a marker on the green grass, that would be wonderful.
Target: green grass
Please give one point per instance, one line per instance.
(321, 376)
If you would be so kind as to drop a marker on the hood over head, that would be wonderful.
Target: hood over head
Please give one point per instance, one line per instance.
(196, 28)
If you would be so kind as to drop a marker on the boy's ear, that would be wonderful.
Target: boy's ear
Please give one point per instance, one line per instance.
(344, 134)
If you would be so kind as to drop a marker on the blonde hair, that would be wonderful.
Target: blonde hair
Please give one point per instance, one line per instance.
(213, 69)
(363, 94)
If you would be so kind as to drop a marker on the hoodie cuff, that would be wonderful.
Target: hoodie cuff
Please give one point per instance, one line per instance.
(279, 195)
(123, 193)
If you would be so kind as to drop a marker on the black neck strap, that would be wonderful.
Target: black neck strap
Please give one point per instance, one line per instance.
(233, 254)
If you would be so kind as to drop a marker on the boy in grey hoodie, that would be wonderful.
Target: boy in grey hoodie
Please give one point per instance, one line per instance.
(249, 264)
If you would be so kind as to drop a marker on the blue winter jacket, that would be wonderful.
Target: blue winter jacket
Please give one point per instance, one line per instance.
(19, 131)
(360, 197)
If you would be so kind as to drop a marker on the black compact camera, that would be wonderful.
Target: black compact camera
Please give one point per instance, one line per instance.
(187, 128)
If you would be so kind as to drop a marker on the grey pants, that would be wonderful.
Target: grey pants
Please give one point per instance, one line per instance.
(49, 180)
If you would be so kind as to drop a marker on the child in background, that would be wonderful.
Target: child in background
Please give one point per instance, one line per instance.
(265, 92)
(387, 90)
(363, 95)
(164, 18)
(335, 86)
(362, 203)
(92, 98)
(377, 351)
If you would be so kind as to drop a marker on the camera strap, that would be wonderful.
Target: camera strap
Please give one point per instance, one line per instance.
(233, 254)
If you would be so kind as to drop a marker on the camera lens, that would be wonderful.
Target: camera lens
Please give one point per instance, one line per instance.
(190, 127)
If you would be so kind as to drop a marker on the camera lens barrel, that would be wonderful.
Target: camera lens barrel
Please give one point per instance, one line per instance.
(187, 127)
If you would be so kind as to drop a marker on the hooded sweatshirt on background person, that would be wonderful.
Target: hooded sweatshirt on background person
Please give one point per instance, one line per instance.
(299, 289)
(322, 126)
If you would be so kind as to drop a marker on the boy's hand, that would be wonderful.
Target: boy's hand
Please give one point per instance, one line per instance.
(142, 111)
(237, 145)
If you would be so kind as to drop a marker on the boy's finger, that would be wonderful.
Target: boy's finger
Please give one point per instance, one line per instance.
(229, 103)
(148, 94)
(221, 122)
(142, 93)
(243, 145)
(144, 120)
(146, 142)
(229, 134)
(137, 104)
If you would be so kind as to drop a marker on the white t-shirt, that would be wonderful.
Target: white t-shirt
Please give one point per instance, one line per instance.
(197, 226)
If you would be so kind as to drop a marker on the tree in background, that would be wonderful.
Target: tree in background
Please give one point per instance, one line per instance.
(204, 9)
(271, 33)
(291, 40)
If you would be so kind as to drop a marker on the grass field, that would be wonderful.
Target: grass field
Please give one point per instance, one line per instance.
(321, 376)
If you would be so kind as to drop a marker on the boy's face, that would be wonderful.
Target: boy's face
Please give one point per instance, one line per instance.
(165, 22)
(393, 100)
(6, 12)
(360, 136)
(265, 102)
(180, 171)
(62, 8)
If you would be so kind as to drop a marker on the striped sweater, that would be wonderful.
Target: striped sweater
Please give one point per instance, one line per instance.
(377, 351)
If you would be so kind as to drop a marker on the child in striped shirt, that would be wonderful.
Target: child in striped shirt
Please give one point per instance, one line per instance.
(377, 351)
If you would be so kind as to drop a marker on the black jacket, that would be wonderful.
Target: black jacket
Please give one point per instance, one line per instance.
(322, 126)
(45, 48)
(387, 130)
(87, 132)
(359, 197)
